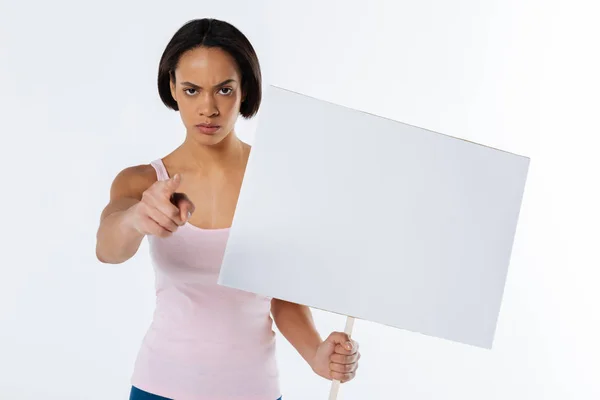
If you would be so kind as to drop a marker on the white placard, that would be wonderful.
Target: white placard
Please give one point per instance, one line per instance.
(363, 216)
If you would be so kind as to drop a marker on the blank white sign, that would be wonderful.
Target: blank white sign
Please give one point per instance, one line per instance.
(363, 216)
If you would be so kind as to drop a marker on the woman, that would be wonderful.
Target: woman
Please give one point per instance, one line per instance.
(206, 341)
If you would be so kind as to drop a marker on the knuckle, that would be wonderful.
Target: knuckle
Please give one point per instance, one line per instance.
(142, 207)
(147, 196)
(164, 233)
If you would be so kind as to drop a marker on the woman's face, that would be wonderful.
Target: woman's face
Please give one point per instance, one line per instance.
(208, 91)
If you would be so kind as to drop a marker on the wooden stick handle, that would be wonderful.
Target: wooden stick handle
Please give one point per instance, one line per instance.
(335, 384)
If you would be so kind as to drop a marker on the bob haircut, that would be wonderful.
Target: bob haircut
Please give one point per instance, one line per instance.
(210, 32)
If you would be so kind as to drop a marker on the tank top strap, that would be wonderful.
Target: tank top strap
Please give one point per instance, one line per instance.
(161, 171)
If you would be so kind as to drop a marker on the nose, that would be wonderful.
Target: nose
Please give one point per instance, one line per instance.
(207, 105)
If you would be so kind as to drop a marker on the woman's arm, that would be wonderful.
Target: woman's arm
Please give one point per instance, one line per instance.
(116, 240)
(333, 358)
(296, 324)
(139, 205)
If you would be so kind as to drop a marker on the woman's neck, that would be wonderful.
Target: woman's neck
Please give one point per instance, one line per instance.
(231, 152)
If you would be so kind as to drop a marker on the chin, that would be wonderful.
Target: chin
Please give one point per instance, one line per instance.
(210, 140)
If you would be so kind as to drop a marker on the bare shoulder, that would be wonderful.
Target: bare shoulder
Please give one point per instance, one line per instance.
(133, 181)
(128, 187)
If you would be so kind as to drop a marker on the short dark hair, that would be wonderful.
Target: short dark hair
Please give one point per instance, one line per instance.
(210, 32)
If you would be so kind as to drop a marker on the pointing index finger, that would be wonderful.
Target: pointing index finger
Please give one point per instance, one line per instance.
(171, 185)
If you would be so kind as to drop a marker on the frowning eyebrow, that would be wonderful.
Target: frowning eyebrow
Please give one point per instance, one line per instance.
(194, 86)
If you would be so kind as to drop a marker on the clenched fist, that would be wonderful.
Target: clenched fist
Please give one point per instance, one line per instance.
(161, 210)
(337, 358)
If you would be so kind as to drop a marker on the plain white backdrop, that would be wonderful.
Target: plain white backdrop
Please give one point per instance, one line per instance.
(78, 102)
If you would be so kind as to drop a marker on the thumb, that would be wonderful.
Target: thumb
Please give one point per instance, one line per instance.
(341, 338)
(172, 184)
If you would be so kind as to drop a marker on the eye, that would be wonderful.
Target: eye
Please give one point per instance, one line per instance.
(188, 93)
(226, 88)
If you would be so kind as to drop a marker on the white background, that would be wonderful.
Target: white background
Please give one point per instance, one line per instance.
(78, 103)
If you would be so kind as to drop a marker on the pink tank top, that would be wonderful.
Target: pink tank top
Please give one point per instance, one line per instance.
(205, 341)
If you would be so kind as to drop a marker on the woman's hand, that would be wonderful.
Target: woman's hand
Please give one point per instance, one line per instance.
(336, 358)
(161, 210)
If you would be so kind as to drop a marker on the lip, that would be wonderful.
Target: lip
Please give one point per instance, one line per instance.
(208, 129)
